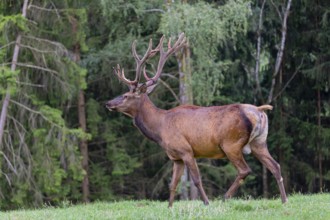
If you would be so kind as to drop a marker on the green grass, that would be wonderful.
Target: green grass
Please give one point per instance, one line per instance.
(313, 207)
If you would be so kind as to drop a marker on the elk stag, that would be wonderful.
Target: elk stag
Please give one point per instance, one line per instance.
(188, 131)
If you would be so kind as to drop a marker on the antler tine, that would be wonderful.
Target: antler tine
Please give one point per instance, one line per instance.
(163, 57)
(121, 76)
(160, 44)
(182, 40)
(140, 62)
(169, 44)
(136, 56)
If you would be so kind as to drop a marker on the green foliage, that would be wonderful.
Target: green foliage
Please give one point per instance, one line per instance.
(278, 136)
(122, 163)
(40, 146)
(311, 134)
(80, 36)
(17, 21)
(135, 14)
(210, 30)
(8, 80)
(60, 164)
(93, 116)
(75, 74)
(10, 25)
(100, 183)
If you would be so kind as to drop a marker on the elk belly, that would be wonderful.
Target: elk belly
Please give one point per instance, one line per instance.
(212, 152)
(246, 149)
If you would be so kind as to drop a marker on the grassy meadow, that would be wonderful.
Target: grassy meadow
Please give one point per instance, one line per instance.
(313, 207)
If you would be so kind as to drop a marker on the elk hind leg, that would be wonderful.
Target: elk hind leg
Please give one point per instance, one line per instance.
(243, 169)
(260, 151)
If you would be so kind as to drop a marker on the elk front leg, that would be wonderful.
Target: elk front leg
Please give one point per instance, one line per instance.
(178, 167)
(194, 172)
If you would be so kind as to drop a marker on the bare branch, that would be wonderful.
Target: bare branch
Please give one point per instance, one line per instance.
(35, 49)
(278, 11)
(256, 73)
(288, 82)
(280, 52)
(169, 75)
(23, 167)
(57, 76)
(25, 107)
(56, 10)
(34, 67)
(35, 112)
(155, 10)
(46, 9)
(30, 84)
(7, 45)
(10, 165)
(54, 43)
(170, 89)
(7, 178)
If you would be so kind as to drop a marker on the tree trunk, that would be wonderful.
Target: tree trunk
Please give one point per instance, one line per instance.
(83, 145)
(6, 100)
(319, 151)
(278, 63)
(184, 185)
(186, 97)
(257, 68)
(264, 182)
(257, 91)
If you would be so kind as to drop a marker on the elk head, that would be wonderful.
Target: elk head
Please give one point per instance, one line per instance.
(129, 102)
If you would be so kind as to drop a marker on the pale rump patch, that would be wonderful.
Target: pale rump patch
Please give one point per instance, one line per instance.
(246, 149)
(260, 130)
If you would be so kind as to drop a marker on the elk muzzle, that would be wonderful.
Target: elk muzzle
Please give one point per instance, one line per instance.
(113, 104)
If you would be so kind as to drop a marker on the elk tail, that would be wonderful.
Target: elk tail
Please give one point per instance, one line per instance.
(265, 107)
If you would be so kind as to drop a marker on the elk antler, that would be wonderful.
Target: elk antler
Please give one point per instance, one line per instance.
(119, 72)
(164, 56)
(149, 54)
(121, 75)
(139, 63)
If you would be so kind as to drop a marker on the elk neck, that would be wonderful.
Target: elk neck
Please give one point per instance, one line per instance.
(148, 119)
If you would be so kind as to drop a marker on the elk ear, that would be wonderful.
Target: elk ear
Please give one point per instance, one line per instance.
(142, 88)
(151, 88)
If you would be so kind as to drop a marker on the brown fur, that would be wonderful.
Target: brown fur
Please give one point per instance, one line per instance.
(187, 132)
